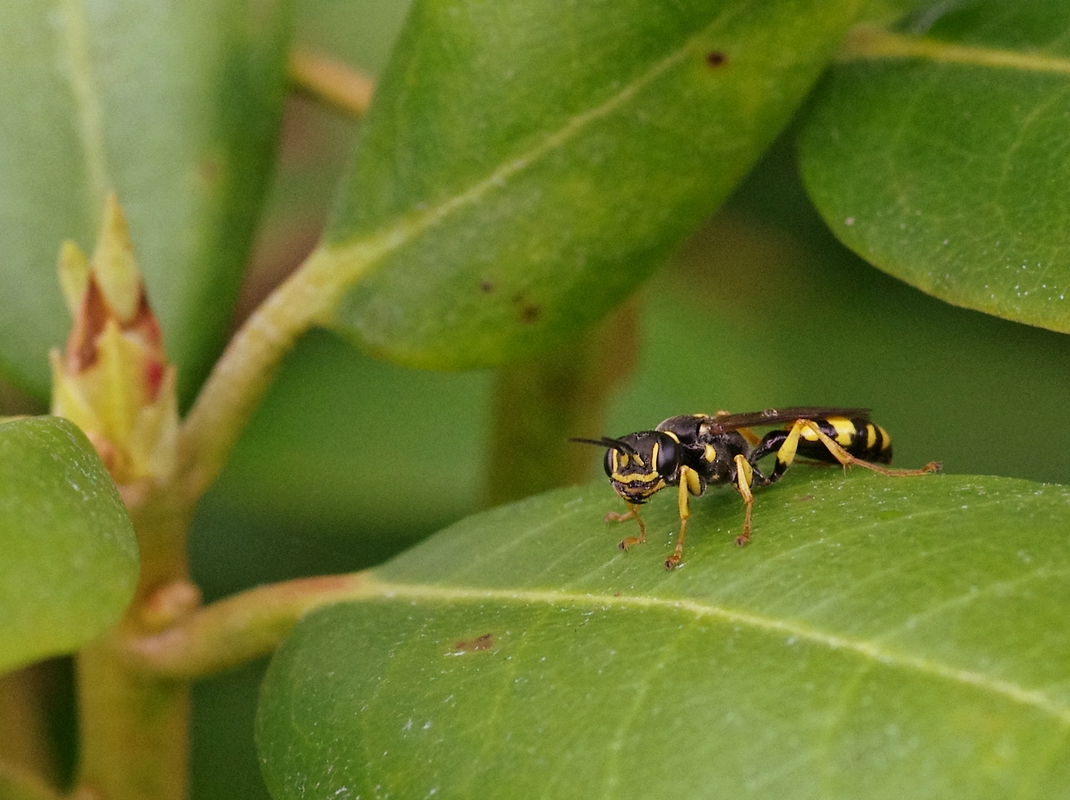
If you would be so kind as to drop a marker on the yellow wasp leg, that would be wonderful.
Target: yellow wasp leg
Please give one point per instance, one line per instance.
(842, 455)
(744, 479)
(633, 513)
(689, 484)
(751, 437)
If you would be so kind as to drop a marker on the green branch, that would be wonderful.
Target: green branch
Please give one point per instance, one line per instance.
(239, 628)
(245, 370)
(332, 82)
(868, 42)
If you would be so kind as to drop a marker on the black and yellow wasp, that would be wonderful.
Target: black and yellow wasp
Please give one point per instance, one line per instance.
(694, 451)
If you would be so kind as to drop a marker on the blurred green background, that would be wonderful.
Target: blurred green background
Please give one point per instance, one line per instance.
(350, 460)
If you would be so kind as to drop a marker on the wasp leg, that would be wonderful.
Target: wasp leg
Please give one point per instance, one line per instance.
(744, 480)
(633, 513)
(752, 438)
(786, 443)
(690, 483)
(841, 455)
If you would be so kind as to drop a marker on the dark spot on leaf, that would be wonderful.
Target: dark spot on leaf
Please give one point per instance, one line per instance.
(716, 58)
(528, 311)
(484, 642)
(486, 286)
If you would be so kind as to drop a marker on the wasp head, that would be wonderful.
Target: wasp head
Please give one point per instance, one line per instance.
(640, 464)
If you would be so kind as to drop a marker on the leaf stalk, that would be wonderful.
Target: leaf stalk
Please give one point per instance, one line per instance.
(238, 628)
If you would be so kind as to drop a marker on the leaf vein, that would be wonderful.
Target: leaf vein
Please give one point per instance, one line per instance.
(359, 255)
(869, 43)
(870, 650)
(74, 44)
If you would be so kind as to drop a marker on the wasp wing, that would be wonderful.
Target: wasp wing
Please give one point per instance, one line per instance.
(722, 423)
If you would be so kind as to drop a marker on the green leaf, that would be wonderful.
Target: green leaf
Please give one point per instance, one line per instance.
(70, 561)
(880, 637)
(941, 157)
(172, 106)
(526, 165)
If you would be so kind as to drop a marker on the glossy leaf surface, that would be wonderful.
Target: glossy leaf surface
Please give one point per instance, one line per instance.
(525, 165)
(70, 560)
(172, 106)
(941, 156)
(878, 638)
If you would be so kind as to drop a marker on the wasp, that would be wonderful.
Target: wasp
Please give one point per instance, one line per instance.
(694, 451)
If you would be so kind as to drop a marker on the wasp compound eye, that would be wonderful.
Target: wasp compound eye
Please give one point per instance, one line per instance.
(668, 455)
(607, 463)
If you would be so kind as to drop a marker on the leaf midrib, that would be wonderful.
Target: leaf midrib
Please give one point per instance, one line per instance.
(866, 42)
(356, 256)
(74, 44)
(869, 650)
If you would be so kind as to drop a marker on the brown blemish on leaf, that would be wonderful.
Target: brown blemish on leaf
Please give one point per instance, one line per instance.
(528, 311)
(484, 642)
(486, 286)
(716, 58)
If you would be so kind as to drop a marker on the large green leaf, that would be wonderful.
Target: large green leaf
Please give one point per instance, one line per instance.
(174, 107)
(526, 164)
(70, 560)
(879, 637)
(941, 155)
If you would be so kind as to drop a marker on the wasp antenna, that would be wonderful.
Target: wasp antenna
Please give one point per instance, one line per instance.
(612, 444)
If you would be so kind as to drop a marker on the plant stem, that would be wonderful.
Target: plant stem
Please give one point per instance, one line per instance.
(135, 724)
(245, 370)
(869, 42)
(239, 628)
(134, 727)
(337, 84)
(135, 720)
(24, 710)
